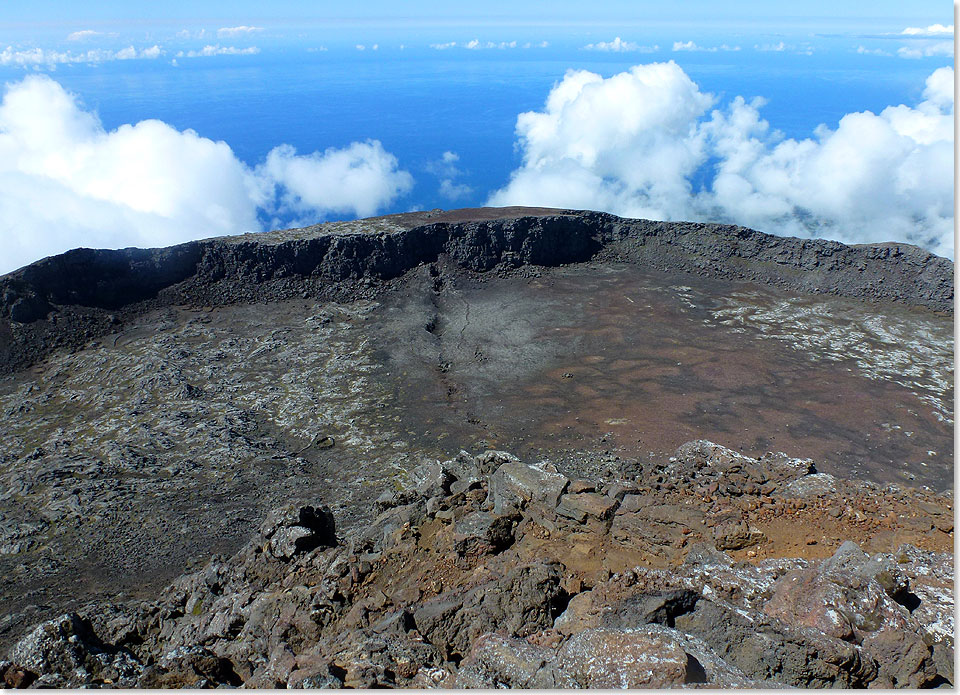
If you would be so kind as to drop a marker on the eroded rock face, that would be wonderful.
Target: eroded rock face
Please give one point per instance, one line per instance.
(555, 592)
(477, 239)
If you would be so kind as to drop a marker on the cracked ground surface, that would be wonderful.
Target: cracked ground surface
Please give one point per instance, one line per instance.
(149, 450)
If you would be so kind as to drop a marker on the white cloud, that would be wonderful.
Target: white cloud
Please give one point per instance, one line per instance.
(454, 191)
(85, 34)
(65, 181)
(542, 44)
(863, 50)
(632, 144)
(37, 57)
(938, 90)
(219, 50)
(772, 47)
(620, 46)
(447, 171)
(188, 34)
(691, 46)
(932, 30)
(360, 47)
(443, 46)
(582, 150)
(230, 32)
(926, 50)
(359, 179)
(152, 52)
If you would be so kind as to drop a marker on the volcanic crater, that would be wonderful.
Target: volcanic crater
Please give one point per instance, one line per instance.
(159, 403)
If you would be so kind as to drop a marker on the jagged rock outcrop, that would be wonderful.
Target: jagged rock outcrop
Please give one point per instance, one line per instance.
(476, 574)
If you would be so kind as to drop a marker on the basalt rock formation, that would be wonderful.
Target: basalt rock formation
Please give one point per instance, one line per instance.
(486, 572)
(238, 461)
(80, 291)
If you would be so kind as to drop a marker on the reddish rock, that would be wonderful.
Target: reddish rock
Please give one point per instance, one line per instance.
(736, 535)
(17, 677)
(586, 504)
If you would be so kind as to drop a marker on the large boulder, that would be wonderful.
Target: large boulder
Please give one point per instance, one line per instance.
(482, 533)
(516, 485)
(770, 650)
(853, 588)
(496, 661)
(518, 604)
(189, 667)
(294, 529)
(628, 658)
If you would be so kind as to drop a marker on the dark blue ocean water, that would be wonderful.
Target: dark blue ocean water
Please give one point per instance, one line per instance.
(421, 102)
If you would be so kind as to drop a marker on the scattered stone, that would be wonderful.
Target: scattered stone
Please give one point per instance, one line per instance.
(16, 676)
(441, 591)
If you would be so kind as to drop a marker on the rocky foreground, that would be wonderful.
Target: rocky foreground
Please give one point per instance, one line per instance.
(709, 569)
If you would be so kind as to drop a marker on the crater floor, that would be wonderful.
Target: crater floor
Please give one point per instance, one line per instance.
(140, 455)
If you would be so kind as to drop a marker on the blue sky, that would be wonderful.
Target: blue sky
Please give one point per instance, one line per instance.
(26, 20)
(823, 13)
(149, 124)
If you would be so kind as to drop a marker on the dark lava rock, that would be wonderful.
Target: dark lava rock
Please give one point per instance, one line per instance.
(299, 530)
(65, 653)
(520, 604)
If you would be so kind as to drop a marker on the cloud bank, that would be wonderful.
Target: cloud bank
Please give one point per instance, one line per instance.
(218, 50)
(50, 58)
(39, 57)
(477, 44)
(932, 30)
(693, 47)
(926, 50)
(85, 34)
(647, 143)
(65, 181)
(620, 46)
